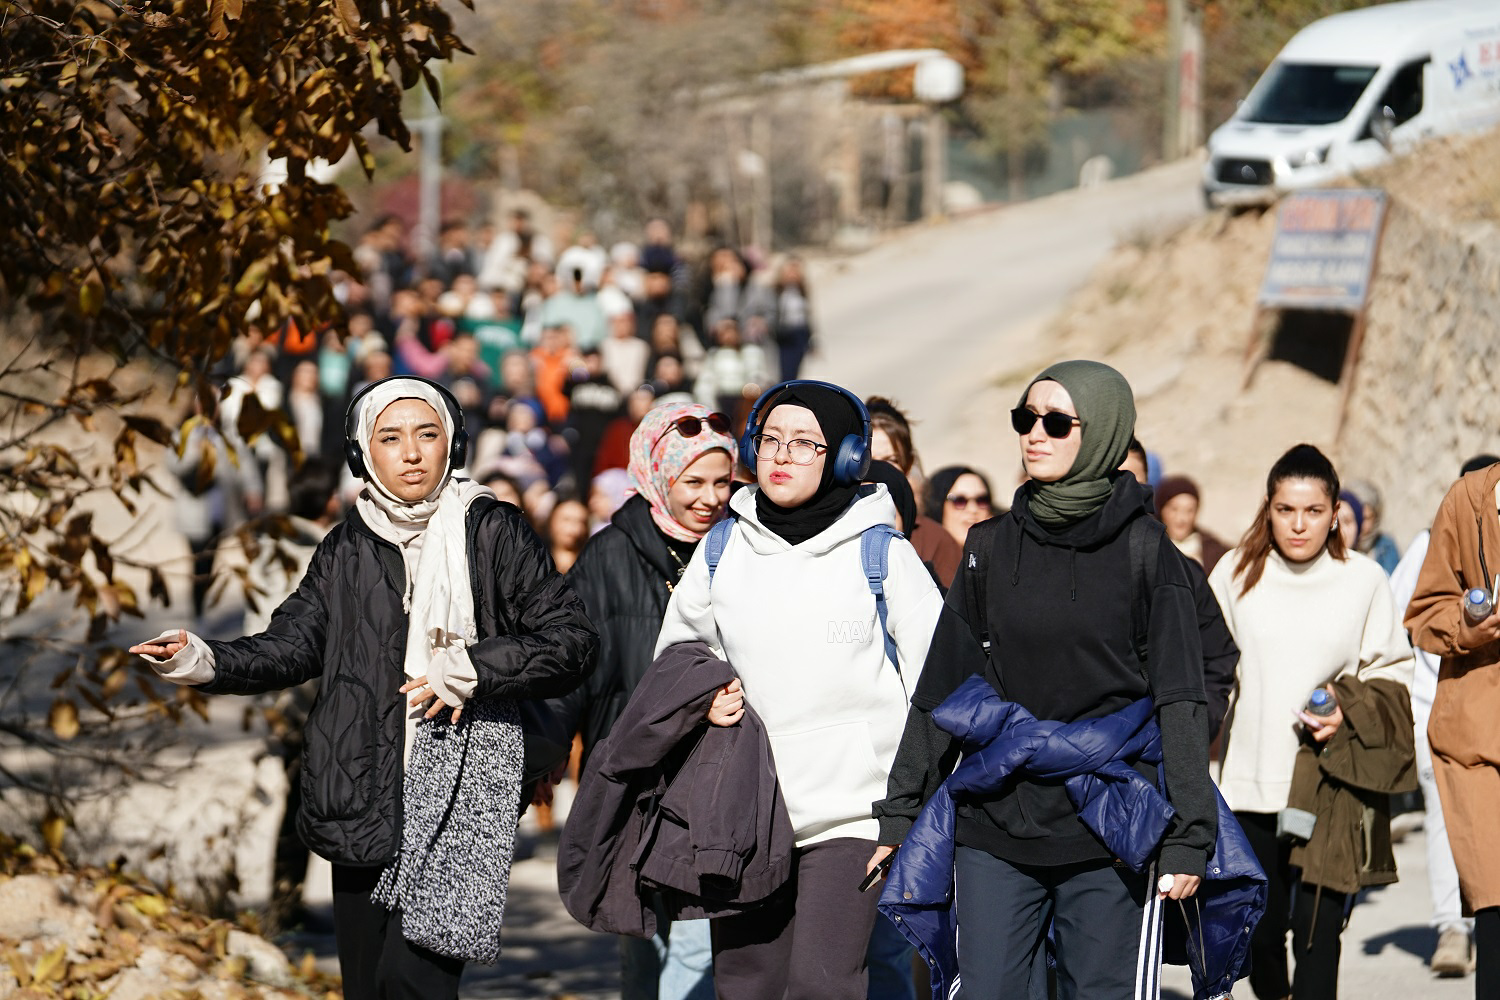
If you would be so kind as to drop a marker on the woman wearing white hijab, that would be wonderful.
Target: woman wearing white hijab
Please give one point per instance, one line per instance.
(429, 615)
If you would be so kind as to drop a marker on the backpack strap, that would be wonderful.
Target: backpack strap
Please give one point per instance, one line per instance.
(714, 544)
(874, 556)
(1145, 551)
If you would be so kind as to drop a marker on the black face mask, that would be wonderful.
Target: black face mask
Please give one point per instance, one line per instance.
(836, 419)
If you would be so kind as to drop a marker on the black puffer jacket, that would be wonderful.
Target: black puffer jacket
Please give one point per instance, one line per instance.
(345, 625)
(623, 575)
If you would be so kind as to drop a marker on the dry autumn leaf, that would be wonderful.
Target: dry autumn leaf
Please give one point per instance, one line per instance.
(53, 829)
(51, 966)
(149, 905)
(62, 719)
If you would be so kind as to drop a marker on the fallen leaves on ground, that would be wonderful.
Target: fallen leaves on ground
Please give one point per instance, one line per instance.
(82, 933)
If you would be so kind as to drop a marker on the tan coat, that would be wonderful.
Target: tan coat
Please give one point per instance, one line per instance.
(1463, 732)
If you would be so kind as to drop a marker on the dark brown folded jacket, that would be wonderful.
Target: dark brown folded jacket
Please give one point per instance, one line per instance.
(672, 808)
(1349, 785)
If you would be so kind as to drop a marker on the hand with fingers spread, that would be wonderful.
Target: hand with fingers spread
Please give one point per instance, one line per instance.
(421, 693)
(163, 647)
(729, 704)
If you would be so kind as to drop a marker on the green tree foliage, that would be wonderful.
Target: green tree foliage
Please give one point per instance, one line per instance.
(1241, 37)
(601, 100)
(134, 138)
(1029, 51)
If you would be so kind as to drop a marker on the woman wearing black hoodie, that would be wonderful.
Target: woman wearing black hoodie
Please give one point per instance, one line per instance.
(1057, 591)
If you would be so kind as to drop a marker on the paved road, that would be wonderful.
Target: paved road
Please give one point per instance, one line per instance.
(548, 957)
(934, 316)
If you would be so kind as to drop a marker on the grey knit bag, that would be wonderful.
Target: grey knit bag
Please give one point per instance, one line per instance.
(461, 802)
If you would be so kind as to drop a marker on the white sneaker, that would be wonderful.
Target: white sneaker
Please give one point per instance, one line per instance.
(1454, 956)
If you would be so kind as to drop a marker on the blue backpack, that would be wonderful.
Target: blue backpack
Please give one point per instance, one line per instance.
(874, 556)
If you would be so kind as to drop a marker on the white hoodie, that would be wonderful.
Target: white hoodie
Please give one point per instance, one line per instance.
(799, 625)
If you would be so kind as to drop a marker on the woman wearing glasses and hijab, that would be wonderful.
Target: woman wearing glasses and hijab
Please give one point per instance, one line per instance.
(681, 466)
(427, 616)
(790, 608)
(1056, 613)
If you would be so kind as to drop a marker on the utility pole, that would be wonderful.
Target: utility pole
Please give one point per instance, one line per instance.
(1176, 14)
(1182, 123)
(430, 203)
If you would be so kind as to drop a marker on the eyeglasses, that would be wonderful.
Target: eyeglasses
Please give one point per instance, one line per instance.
(1057, 425)
(959, 501)
(801, 451)
(691, 426)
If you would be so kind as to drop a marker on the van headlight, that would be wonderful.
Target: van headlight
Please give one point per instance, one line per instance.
(1311, 158)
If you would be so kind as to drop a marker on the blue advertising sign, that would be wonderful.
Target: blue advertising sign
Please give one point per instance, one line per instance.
(1324, 251)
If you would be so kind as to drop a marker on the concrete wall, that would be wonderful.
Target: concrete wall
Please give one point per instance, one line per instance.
(1427, 391)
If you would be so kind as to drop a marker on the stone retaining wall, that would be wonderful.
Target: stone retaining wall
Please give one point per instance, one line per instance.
(1427, 390)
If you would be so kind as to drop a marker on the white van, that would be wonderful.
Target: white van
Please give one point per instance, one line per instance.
(1353, 89)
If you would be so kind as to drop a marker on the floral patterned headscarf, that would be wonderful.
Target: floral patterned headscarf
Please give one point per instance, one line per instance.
(659, 453)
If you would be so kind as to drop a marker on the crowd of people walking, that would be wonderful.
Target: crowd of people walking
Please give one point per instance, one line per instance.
(846, 727)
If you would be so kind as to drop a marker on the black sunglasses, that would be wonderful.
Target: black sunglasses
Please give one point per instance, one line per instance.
(691, 426)
(959, 501)
(1056, 425)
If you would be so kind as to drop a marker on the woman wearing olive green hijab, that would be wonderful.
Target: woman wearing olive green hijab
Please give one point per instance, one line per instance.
(1056, 611)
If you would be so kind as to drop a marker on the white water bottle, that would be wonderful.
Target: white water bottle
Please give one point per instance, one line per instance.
(1478, 605)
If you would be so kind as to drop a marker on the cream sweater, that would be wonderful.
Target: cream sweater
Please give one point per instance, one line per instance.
(1301, 626)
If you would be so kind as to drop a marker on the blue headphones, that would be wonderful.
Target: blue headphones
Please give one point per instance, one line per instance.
(458, 447)
(851, 460)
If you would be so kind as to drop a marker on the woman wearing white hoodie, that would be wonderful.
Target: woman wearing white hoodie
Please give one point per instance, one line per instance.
(790, 607)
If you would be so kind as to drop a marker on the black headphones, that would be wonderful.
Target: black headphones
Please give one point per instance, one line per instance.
(458, 446)
(852, 459)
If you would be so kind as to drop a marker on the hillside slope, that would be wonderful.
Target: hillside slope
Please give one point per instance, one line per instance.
(1177, 316)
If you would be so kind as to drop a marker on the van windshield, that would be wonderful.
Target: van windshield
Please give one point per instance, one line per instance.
(1307, 94)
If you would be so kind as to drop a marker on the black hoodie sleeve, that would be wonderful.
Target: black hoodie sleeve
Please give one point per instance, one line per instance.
(927, 754)
(926, 757)
(1176, 674)
(1220, 655)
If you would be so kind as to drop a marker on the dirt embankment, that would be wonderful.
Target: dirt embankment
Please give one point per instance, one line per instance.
(1177, 315)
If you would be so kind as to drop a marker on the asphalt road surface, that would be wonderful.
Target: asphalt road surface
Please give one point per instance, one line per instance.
(549, 957)
(934, 316)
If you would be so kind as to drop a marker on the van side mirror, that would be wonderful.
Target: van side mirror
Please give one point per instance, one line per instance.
(1382, 125)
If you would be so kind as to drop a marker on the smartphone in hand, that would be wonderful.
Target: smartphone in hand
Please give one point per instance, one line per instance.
(877, 872)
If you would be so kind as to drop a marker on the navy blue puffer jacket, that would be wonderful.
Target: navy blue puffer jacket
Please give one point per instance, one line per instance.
(1125, 811)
